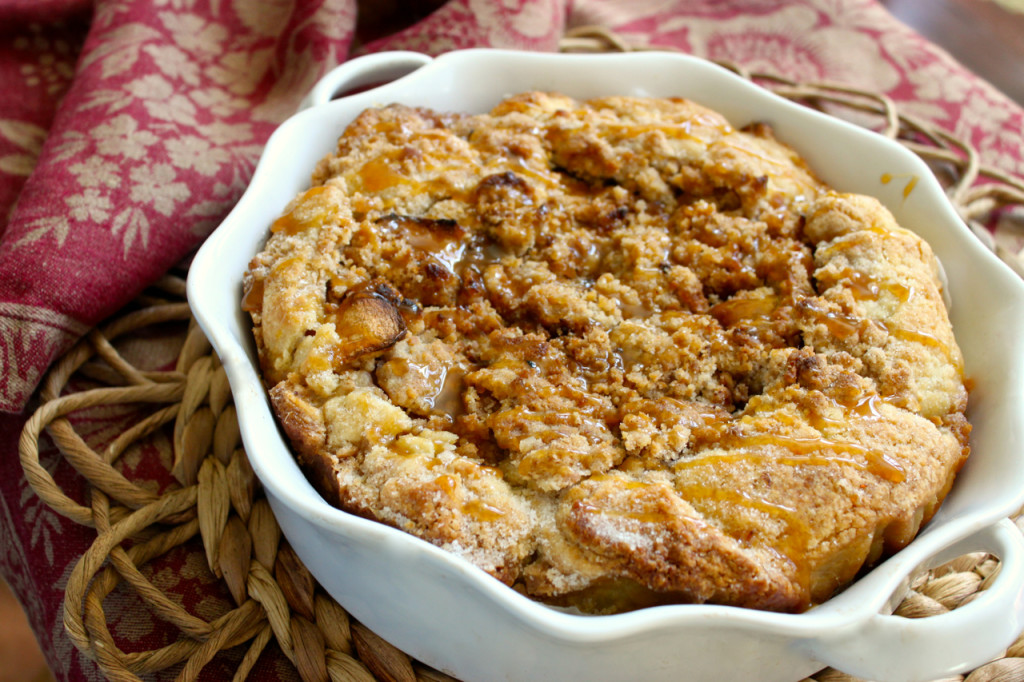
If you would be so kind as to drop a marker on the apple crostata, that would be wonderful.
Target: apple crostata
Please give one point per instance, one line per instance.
(614, 353)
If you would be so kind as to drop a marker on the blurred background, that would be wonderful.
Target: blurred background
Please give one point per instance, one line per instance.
(986, 36)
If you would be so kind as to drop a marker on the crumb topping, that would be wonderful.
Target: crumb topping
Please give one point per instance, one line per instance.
(614, 352)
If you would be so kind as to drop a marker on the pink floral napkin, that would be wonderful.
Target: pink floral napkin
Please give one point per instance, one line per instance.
(128, 129)
(127, 134)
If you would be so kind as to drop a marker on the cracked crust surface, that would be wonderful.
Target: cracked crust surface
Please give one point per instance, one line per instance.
(613, 352)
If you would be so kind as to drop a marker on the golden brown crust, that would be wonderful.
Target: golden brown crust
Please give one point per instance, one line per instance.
(613, 352)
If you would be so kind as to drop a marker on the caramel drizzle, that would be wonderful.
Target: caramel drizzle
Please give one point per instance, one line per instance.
(789, 546)
(844, 326)
(448, 399)
(920, 337)
(806, 450)
(380, 173)
(290, 223)
(865, 408)
(442, 240)
(683, 131)
(756, 311)
(738, 142)
(803, 451)
(840, 325)
(690, 492)
(659, 517)
(851, 239)
(865, 288)
(254, 293)
(810, 451)
(476, 508)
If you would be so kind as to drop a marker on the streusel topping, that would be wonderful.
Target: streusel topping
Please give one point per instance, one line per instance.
(613, 352)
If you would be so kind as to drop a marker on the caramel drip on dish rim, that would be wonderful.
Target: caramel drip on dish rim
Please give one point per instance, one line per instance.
(911, 184)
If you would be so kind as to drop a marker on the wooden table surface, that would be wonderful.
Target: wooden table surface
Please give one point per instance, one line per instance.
(20, 657)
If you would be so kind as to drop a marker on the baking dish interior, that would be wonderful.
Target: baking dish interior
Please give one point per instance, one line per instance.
(987, 298)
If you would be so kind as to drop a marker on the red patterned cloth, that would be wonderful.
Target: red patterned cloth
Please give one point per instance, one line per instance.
(128, 129)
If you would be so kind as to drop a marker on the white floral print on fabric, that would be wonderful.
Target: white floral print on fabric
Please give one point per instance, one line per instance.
(28, 140)
(157, 139)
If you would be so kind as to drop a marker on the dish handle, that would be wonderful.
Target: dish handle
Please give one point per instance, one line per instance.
(368, 70)
(893, 648)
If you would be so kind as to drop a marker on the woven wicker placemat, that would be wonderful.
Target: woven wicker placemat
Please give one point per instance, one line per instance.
(217, 499)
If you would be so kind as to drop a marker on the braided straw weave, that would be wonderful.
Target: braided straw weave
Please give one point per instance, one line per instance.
(217, 501)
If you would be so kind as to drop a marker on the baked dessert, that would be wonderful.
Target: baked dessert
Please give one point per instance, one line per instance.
(615, 352)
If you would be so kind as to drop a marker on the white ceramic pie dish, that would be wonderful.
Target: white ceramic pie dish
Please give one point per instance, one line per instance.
(451, 615)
